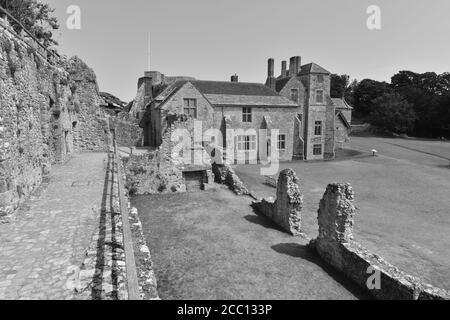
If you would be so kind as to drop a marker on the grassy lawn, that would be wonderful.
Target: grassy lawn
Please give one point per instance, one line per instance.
(211, 245)
(402, 196)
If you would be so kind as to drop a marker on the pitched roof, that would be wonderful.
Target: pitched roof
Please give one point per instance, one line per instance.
(279, 85)
(312, 68)
(344, 120)
(109, 99)
(233, 88)
(341, 104)
(231, 93)
(246, 100)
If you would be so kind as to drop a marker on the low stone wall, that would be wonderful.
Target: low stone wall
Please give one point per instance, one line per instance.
(286, 209)
(149, 174)
(102, 275)
(335, 244)
(224, 174)
(144, 264)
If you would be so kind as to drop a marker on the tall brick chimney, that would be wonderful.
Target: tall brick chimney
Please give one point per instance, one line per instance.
(294, 65)
(283, 68)
(270, 67)
(234, 78)
(291, 66)
(298, 64)
(271, 81)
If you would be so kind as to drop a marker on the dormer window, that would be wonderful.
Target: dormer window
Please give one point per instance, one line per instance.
(294, 95)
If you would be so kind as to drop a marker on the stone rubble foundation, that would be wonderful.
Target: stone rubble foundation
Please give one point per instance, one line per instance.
(336, 245)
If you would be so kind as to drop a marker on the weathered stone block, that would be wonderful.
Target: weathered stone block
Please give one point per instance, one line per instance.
(286, 209)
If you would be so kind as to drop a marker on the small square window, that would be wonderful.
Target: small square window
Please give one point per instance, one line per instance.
(320, 78)
(246, 114)
(317, 149)
(281, 142)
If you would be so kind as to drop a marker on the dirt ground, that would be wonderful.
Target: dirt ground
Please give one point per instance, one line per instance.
(402, 196)
(211, 245)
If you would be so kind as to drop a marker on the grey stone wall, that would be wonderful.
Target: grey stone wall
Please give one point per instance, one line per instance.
(48, 111)
(315, 111)
(281, 118)
(285, 210)
(92, 126)
(161, 171)
(127, 130)
(36, 115)
(336, 245)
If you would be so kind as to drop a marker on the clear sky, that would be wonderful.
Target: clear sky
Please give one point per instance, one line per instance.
(212, 39)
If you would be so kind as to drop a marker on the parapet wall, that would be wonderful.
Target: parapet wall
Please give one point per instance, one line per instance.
(286, 209)
(336, 245)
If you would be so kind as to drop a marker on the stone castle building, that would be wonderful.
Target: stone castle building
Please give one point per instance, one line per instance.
(297, 104)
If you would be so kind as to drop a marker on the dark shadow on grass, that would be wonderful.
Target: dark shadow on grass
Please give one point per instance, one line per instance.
(263, 221)
(419, 151)
(307, 253)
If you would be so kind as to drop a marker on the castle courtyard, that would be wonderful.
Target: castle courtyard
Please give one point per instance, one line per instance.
(401, 196)
(212, 245)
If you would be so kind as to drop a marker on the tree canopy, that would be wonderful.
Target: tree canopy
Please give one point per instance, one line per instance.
(393, 113)
(35, 16)
(428, 94)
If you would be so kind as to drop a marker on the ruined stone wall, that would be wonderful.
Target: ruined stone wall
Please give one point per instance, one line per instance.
(48, 111)
(36, 115)
(285, 210)
(224, 174)
(161, 171)
(92, 126)
(138, 105)
(336, 245)
(127, 130)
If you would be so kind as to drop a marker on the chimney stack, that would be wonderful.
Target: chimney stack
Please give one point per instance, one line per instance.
(294, 66)
(283, 68)
(270, 67)
(271, 81)
(298, 64)
(234, 78)
(291, 66)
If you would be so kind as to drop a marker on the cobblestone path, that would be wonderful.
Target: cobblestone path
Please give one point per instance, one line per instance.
(43, 248)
